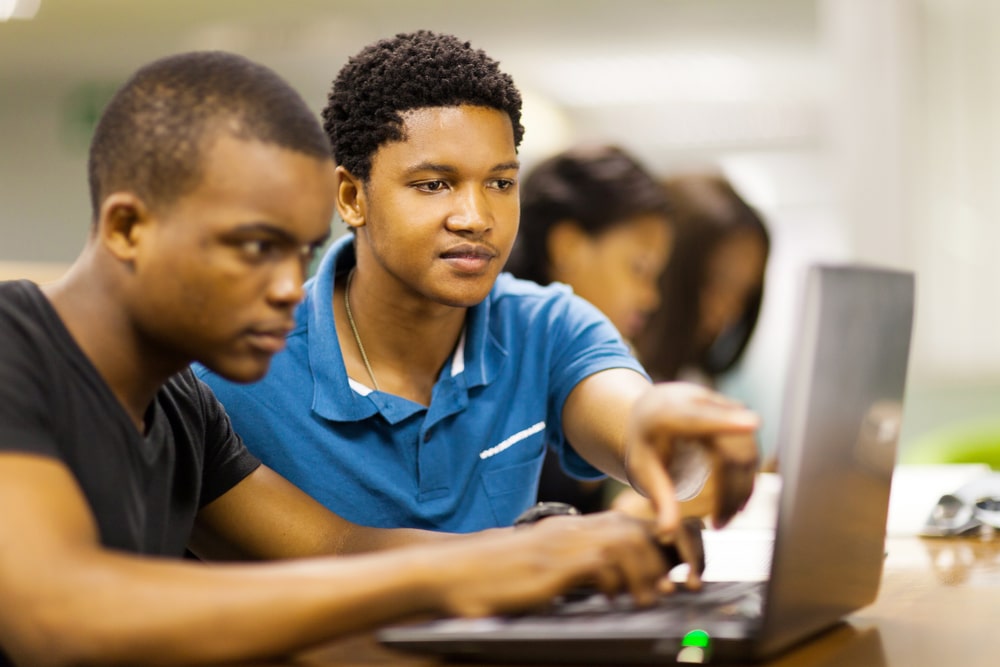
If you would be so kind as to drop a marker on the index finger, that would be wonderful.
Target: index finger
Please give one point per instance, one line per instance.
(693, 411)
(687, 547)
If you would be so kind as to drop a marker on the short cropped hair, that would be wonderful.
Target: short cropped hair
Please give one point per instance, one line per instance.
(152, 135)
(416, 70)
(596, 187)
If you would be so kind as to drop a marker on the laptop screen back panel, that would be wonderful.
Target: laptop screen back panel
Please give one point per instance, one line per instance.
(837, 448)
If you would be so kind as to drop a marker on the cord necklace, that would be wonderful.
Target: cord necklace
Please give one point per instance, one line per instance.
(354, 329)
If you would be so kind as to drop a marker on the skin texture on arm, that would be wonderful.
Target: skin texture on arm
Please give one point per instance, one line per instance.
(287, 523)
(68, 600)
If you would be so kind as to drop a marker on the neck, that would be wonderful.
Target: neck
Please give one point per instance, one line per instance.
(85, 300)
(354, 330)
(406, 340)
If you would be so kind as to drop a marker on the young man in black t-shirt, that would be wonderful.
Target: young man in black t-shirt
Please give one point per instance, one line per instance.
(211, 185)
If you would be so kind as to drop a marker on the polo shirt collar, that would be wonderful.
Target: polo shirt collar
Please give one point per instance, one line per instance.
(333, 397)
(482, 355)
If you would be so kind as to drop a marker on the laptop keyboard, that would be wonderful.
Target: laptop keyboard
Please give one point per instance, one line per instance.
(719, 601)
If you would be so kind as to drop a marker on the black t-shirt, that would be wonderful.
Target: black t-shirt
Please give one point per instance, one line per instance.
(143, 491)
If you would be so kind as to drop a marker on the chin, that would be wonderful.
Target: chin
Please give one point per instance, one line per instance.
(243, 372)
(463, 302)
(471, 295)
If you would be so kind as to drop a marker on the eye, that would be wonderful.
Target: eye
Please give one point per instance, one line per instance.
(253, 248)
(258, 249)
(431, 186)
(503, 184)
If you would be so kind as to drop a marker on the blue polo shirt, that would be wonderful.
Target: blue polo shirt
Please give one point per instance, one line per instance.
(472, 458)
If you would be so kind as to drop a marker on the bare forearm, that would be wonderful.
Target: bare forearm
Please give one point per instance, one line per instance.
(362, 539)
(595, 418)
(287, 524)
(124, 610)
(69, 601)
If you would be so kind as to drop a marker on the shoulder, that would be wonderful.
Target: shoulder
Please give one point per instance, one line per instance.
(10, 289)
(515, 294)
(509, 286)
(555, 303)
(29, 322)
(185, 383)
(193, 411)
(189, 396)
(19, 298)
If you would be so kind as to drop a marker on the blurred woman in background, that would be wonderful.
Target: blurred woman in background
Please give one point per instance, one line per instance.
(594, 218)
(711, 292)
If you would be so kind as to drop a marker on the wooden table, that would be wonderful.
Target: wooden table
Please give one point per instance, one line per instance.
(939, 605)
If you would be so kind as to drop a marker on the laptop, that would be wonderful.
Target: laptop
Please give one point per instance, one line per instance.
(837, 442)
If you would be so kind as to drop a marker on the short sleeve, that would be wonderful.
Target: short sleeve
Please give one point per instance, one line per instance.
(227, 460)
(580, 341)
(24, 422)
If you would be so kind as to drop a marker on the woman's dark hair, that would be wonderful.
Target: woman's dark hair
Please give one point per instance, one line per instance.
(706, 211)
(595, 187)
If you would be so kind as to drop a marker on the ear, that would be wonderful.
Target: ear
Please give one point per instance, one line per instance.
(123, 218)
(351, 202)
(565, 246)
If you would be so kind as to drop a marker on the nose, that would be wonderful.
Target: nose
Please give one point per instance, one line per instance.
(472, 212)
(285, 288)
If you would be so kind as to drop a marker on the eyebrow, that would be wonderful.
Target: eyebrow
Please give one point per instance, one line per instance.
(274, 230)
(451, 169)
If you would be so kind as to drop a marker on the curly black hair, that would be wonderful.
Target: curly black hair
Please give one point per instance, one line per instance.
(415, 70)
(151, 136)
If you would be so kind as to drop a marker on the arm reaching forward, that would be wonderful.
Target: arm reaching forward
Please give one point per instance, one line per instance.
(68, 600)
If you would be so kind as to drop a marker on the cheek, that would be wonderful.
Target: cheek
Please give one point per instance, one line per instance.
(622, 285)
(212, 297)
(198, 284)
(388, 237)
(509, 216)
(605, 286)
(506, 220)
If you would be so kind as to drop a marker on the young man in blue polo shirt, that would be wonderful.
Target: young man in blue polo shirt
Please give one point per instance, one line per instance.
(421, 387)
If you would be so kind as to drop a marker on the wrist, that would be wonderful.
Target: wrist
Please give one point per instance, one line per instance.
(544, 510)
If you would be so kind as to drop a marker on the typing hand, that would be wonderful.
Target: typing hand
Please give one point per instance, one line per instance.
(671, 553)
(528, 567)
(690, 533)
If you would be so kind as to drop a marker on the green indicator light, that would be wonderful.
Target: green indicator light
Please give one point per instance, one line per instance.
(696, 638)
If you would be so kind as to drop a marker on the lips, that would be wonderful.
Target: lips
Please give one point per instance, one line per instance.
(470, 251)
(469, 258)
(269, 339)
